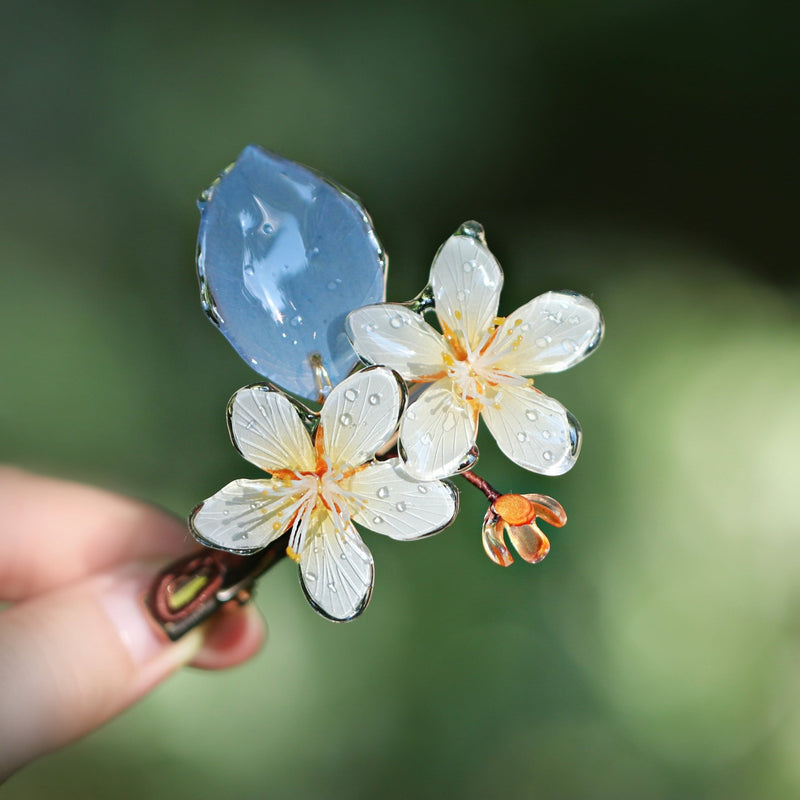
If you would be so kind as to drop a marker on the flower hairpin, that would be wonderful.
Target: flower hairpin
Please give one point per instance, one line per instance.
(324, 477)
(292, 273)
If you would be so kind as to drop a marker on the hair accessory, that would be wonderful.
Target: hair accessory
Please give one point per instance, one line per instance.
(292, 273)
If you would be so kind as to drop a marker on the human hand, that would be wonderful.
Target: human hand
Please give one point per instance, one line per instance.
(76, 645)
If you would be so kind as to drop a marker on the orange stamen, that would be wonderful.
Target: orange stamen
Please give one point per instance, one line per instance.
(429, 378)
(321, 467)
(284, 475)
(490, 339)
(455, 343)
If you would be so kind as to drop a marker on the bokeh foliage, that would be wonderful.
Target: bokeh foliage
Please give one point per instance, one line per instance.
(642, 153)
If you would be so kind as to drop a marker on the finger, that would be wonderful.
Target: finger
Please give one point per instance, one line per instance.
(234, 634)
(54, 532)
(73, 658)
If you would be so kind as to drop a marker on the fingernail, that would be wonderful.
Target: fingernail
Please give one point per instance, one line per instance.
(122, 595)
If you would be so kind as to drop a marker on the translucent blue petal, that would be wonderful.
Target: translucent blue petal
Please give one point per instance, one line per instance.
(283, 256)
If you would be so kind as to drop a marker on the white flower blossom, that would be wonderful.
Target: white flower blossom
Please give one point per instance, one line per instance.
(479, 365)
(318, 487)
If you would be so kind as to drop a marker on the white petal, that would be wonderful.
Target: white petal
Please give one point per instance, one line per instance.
(437, 433)
(360, 415)
(398, 506)
(549, 334)
(245, 516)
(266, 428)
(466, 281)
(336, 569)
(532, 429)
(396, 337)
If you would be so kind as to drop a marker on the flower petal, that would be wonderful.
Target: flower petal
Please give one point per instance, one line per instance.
(533, 430)
(466, 281)
(394, 504)
(548, 509)
(336, 569)
(493, 539)
(245, 516)
(551, 333)
(396, 337)
(437, 434)
(266, 429)
(360, 415)
(529, 542)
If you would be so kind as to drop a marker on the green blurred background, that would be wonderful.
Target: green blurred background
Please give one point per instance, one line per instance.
(644, 153)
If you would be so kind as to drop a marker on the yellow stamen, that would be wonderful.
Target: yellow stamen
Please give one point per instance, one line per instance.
(294, 556)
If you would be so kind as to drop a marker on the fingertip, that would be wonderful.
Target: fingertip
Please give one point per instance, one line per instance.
(232, 636)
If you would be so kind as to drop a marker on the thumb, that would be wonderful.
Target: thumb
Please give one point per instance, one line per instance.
(75, 657)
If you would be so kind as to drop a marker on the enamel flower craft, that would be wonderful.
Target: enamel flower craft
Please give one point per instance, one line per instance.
(292, 273)
(479, 365)
(324, 477)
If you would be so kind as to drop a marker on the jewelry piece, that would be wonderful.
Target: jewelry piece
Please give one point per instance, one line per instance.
(290, 269)
(479, 365)
(324, 478)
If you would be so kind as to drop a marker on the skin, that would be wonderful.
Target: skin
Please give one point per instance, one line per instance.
(76, 646)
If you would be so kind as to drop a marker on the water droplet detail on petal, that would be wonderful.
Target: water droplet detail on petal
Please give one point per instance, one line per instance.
(547, 455)
(249, 270)
(543, 341)
(346, 420)
(374, 399)
(396, 322)
(311, 577)
(426, 438)
(422, 488)
(546, 434)
(531, 415)
(351, 395)
(522, 436)
(370, 327)
(570, 345)
(332, 587)
(401, 506)
(411, 414)
(377, 520)
(383, 492)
